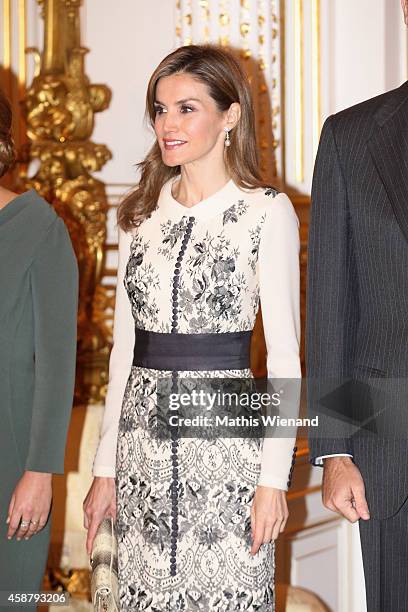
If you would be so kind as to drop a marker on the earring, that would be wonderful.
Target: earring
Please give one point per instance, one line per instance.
(227, 137)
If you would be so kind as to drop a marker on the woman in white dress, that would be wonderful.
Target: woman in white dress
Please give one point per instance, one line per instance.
(202, 242)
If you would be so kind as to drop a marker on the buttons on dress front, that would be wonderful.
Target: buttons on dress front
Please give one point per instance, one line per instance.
(174, 441)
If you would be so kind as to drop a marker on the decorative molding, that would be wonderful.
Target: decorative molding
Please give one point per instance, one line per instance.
(298, 89)
(6, 21)
(316, 87)
(59, 109)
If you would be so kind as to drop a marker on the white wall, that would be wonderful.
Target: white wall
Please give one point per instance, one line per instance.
(127, 40)
(367, 50)
(363, 53)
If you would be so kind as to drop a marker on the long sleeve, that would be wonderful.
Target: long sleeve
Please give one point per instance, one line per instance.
(279, 286)
(332, 298)
(119, 367)
(54, 286)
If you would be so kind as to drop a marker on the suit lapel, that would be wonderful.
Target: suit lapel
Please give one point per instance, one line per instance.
(389, 149)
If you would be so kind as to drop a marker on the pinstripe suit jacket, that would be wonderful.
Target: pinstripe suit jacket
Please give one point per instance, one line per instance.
(357, 302)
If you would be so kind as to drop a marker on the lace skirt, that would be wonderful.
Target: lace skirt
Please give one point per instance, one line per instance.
(183, 513)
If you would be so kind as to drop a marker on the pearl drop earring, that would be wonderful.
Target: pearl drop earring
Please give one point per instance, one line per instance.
(227, 137)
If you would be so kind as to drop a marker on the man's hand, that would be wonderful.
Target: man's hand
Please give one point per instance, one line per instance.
(343, 489)
(269, 513)
(29, 505)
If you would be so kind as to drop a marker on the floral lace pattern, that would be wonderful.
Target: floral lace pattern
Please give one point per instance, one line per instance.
(217, 291)
(212, 291)
(217, 480)
(233, 212)
(172, 234)
(140, 279)
(255, 237)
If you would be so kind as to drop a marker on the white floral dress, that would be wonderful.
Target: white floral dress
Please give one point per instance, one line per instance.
(183, 507)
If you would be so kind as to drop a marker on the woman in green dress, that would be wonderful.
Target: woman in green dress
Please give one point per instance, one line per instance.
(38, 313)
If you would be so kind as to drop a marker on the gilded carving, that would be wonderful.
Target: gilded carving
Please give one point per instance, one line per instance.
(60, 106)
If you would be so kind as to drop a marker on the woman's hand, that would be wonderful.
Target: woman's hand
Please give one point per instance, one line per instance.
(30, 504)
(269, 514)
(100, 503)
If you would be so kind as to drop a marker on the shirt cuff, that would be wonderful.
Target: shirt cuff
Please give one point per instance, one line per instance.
(275, 483)
(319, 460)
(103, 470)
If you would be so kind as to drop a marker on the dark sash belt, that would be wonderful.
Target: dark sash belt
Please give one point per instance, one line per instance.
(162, 351)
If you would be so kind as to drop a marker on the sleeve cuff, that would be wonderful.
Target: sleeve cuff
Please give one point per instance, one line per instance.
(319, 460)
(104, 471)
(273, 482)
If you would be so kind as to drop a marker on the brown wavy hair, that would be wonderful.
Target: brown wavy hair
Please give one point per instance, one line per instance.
(226, 82)
(7, 151)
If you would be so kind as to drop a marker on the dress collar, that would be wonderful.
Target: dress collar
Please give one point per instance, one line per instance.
(215, 204)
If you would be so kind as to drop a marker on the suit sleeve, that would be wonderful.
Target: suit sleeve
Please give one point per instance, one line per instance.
(279, 287)
(54, 286)
(332, 302)
(120, 364)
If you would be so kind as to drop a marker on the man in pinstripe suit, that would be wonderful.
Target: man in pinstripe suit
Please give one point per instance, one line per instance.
(357, 328)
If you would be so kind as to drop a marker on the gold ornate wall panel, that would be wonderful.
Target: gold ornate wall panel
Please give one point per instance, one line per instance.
(53, 125)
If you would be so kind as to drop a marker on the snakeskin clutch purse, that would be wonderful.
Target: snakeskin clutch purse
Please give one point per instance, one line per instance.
(104, 564)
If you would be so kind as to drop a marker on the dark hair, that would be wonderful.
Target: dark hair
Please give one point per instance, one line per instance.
(227, 82)
(7, 151)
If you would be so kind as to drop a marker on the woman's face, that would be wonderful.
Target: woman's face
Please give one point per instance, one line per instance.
(187, 123)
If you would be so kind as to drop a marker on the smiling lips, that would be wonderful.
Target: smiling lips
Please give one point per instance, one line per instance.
(169, 145)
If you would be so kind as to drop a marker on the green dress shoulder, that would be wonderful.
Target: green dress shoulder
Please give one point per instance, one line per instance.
(38, 323)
